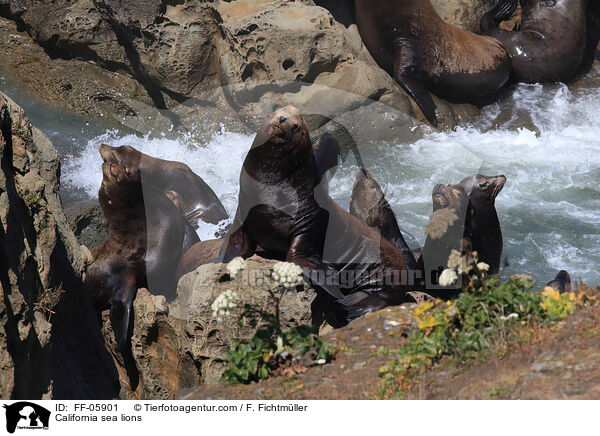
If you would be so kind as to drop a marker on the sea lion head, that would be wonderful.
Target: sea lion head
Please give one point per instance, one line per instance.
(483, 188)
(120, 177)
(452, 196)
(120, 164)
(366, 199)
(282, 138)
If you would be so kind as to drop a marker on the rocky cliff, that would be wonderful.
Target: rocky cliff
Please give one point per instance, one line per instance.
(50, 343)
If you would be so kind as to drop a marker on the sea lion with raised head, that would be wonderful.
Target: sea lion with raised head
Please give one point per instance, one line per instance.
(482, 227)
(550, 42)
(284, 208)
(328, 155)
(146, 240)
(445, 232)
(369, 204)
(425, 54)
(188, 190)
(562, 282)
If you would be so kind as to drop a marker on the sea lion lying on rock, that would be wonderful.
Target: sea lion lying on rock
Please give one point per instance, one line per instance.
(423, 53)
(284, 208)
(550, 43)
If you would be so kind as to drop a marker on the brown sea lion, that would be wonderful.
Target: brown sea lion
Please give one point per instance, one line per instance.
(146, 235)
(445, 232)
(550, 43)
(284, 209)
(327, 155)
(423, 53)
(192, 195)
(562, 282)
(482, 227)
(369, 204)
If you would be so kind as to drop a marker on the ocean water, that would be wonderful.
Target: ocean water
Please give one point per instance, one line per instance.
(544, 138)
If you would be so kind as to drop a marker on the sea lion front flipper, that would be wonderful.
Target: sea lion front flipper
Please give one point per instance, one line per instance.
(121, 311)
(420, 94)
(238, 244)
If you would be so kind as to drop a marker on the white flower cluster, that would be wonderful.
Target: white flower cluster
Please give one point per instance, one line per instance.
(288, 274)
(448, 277)
(463, 264)
(236, 264)
(482, 266)
(512, 315)
(223, 304)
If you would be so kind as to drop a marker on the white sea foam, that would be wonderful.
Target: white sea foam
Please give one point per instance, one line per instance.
(545, 139)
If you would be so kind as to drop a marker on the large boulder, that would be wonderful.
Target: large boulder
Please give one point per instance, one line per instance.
(180, 345)
(245, 56)
(50, 341)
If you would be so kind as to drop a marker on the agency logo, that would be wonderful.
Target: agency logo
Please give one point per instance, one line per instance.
(26, 415)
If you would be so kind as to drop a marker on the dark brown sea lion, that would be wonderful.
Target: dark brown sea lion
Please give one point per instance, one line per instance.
(327, 155)
(193, 196)
(423, 53)
(146, 235)
(369, 204)
(284, 209)
(445, 232)
(562, 282)
(482, 227)
(550, 43)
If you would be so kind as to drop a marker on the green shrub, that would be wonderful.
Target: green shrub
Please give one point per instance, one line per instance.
(487, 315)
(255, 360)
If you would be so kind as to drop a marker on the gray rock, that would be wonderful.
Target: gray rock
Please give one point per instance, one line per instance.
(50, 341)
(88, 224)
(179, 345)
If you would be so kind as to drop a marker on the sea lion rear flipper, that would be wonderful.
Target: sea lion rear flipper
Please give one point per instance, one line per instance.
(355, 306)
(420, 94)
(498, 12)
(121, 312)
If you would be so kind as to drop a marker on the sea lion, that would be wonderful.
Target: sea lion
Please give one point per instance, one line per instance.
(369, 204)
(192, 194)
(562, 282)
(423, 53)
(482, 227)
(146, 235)
(445, 232)
(550, 43)
(327, 155)
(284, 208)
